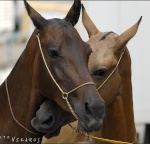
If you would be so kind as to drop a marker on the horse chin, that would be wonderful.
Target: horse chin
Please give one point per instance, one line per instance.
(93, 125)
(54, 133)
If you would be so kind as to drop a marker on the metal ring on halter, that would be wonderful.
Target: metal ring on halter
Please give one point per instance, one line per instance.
(65, 95)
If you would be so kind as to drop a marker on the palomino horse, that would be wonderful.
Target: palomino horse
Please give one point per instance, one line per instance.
(54, 62)
(110, 66)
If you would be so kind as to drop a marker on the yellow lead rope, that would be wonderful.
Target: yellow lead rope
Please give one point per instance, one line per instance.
(110, 141)
(90, 137)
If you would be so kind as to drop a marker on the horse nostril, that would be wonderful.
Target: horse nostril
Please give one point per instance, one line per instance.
(87, 109)
(48, 121)
(95, 109)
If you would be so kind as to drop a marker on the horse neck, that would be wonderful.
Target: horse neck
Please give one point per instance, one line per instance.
(24, 96)
(119, 122)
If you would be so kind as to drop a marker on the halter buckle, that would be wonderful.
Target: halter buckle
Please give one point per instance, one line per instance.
(65, 95)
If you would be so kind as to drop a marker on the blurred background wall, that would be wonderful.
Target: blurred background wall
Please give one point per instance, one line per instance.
(117, 16)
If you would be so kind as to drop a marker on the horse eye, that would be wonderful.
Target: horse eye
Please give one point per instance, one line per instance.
(53, 53)
(100, 73)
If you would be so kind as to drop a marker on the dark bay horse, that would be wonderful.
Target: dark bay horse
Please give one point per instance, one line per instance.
(55, 61)
(110, 54)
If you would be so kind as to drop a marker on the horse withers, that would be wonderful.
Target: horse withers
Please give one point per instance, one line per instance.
(53, 65)
(110, 67)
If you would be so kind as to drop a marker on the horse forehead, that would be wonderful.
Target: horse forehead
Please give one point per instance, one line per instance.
(103, 47)
(102, 59)
(59, 22)
(96, 43)
(60, 28)
(103, 50)
(103, 53)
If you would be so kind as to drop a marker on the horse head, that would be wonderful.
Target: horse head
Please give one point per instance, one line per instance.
(61, 67)
(108, 52)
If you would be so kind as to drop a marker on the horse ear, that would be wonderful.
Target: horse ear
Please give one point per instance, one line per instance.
(88, 24)
(74, 12)
(127, 35)
(38, 21)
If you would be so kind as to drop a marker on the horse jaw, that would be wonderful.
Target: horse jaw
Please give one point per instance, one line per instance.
(47, 120)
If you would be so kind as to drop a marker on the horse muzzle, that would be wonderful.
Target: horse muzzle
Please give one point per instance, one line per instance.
(91, 113)
(93, 125)
(50, 118)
